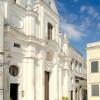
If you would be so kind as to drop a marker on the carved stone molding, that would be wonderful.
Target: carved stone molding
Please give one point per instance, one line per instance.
(48, 66)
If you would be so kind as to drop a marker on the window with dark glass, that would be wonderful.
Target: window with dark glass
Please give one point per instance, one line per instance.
(95, 90)
(71, 64)
(76, 63)
(50, 31)
(80, 67)
(94, 67)
(17, 45)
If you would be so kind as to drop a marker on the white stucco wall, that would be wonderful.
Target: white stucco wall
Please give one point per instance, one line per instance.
(93, 54)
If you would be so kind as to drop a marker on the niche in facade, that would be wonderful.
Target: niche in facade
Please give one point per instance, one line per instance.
(49, 56)
(13, 70)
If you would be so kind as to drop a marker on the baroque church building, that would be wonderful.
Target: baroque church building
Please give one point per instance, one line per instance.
(36, 61)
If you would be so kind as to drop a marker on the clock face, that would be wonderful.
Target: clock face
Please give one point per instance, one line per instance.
(13, 70)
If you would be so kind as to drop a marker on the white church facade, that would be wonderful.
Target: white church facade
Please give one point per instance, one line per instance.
(36, 61)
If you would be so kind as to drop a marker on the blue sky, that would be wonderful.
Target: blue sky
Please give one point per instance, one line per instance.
(80, 20)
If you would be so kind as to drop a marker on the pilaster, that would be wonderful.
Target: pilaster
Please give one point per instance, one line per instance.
(66, 85)
(28, 92)
(30, 23)
(40, 86)
(74, 94)
(80, 94)
(60, 82)
(54, 83)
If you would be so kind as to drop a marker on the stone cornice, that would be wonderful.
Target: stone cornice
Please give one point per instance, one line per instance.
(93, 47)
(23, 12)
(49, 9)
(21, 36)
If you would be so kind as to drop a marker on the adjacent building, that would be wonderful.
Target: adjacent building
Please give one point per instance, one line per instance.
(36, 61)
(78, 87)
(93, 70)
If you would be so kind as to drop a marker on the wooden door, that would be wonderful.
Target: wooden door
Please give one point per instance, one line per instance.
(46, 85)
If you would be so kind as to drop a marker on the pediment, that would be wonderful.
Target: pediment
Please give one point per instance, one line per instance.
(52, 5)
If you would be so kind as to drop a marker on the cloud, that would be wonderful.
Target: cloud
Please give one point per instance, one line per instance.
(75, 0)
(68, 23)
(98, 26)
(72, 31)
(85, 24)
(83, 8)
(60, 6)
(89, 10)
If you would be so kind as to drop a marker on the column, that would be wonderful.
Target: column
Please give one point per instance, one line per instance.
(30, 25)
(54, 83)
(40, 84)
(60, 83)
(80, 94)
(66, 85)
(74, 94)
(28, 92)
(54, 80)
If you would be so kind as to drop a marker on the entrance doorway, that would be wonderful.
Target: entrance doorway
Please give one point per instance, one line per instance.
(71, 95)
(14, 91)
(84, 94)
(47, 85)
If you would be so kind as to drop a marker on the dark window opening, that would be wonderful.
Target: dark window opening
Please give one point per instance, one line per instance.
(17, 45)
(94, 67)
(95, 90)
(14, 91)
(50, 31)
(47, 85)
(71, 95)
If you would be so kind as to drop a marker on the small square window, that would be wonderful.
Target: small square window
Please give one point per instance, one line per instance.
(95, 90)
(17, 45)
(94, 67)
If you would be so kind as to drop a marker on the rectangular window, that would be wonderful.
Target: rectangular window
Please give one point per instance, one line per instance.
(94, 67)
(71, 64)
(95, 90)
(76, 65)
(50, 30)
(17, 45)
(80, 67)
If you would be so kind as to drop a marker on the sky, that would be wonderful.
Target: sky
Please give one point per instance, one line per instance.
(80, 20)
